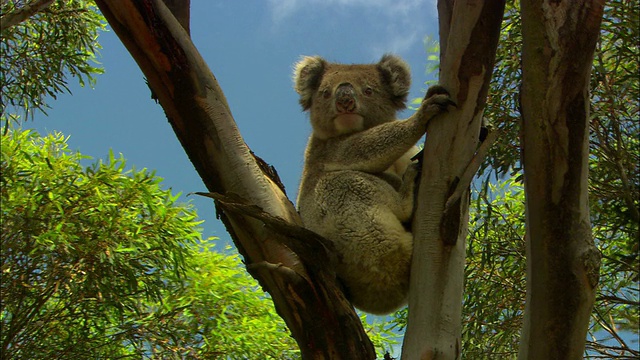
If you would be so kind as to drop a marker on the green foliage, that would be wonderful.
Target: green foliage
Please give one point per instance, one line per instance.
(222, 313)
(495, 284)
(40, 53)
(380, 333)
(502, 109)
(614, 177)
(614, 169)
(614, 193)
(102, 263)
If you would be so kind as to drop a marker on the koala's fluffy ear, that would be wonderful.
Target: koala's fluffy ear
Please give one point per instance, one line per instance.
(306, 77)
(397, 75)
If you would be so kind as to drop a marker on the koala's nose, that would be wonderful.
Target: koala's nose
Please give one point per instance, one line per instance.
(345, 98)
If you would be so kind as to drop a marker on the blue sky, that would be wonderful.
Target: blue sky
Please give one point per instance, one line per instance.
(250, 47)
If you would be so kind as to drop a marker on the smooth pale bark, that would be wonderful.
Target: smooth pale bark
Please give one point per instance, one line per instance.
(23, 13)
(559, 39)
(469, 32)
(290, 263)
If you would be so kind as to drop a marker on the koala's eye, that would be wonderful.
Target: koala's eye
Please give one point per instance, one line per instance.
(368, 91)
(326, 93)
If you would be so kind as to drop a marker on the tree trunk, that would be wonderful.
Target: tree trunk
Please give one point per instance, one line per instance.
(290, 263)
(469, 32)
(559, 39)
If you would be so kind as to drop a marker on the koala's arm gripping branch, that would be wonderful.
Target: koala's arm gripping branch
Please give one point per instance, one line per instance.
(375, 149)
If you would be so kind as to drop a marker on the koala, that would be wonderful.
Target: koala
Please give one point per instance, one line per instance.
(357, 186)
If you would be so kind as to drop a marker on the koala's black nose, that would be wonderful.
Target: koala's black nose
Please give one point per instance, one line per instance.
(345, 98)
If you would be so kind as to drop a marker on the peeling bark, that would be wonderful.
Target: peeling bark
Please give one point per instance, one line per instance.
(559, 39)
(469, 32)
(301, 283)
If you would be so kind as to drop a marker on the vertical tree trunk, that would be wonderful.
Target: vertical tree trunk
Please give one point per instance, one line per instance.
(559, 39)
(469, 32)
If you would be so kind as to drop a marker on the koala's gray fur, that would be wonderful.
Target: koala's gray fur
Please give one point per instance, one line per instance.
(357, 186)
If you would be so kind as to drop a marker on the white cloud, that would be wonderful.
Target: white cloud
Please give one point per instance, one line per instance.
(398, 42)
(404, 20)
(285, 8)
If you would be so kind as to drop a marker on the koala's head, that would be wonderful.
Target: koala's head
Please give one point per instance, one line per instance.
(343, 99)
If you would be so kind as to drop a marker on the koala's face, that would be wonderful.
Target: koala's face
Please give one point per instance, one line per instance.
(343, 99)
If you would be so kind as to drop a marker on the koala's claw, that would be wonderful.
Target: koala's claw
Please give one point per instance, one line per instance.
(437, 104)
(436, 89)
(441, 101)
(436, 101)
(439, 96)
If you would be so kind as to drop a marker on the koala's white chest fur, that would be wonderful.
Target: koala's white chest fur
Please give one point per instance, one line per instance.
(357, 185)
(348, 123)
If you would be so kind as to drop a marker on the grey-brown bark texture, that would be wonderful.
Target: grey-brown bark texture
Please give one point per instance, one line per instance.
(469, 32)
(559, 39)
(289, 262)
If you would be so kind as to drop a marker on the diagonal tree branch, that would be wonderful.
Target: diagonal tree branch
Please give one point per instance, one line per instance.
(321, 320)
(26, 11)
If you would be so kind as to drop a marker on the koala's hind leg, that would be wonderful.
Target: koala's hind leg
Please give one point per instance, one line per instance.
(360, 214)
(378, 279)
(376, 265)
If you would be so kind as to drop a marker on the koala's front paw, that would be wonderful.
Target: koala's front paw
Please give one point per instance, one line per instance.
(436, 101)
(436, 90)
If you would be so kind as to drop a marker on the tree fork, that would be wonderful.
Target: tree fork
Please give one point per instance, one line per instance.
(321, 320)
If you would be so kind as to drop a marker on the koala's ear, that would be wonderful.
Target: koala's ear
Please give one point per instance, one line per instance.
(307, 74)
(397, 75)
